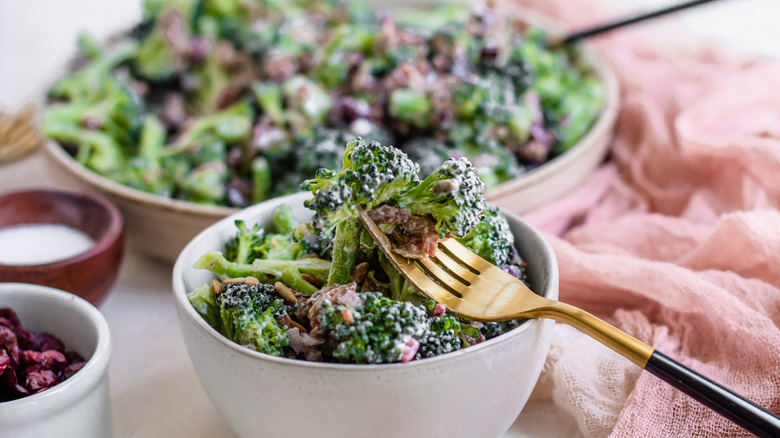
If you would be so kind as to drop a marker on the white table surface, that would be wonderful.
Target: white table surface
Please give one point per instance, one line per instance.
(154, 389)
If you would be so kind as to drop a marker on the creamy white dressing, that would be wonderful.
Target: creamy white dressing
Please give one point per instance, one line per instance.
(36, 244)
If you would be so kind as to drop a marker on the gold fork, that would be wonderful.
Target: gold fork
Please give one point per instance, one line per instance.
(474, 288)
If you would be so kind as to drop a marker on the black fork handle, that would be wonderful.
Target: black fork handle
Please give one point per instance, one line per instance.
(731, 405)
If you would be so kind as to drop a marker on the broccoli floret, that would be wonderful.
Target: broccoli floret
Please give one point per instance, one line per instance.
(280, 244)
(163, 51)
(411, 106)
(248, 314)
(146, 171)
(441, 337)
(118, 114)
(261, 179)
(371, 174)
(492, 329)
(93, 81)
(283, 221)
(95, 149)
(231, 125)
(377, 173)
(267, 271)
(492, 239)
(380, 331)
(384, 330)
(204, 300)
(241, 248)
(205, 184)
(453, 195)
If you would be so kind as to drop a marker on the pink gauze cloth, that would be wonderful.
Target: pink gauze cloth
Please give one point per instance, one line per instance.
(676, 239)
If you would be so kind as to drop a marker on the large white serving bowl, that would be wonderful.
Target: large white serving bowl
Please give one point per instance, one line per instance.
(160, 227)
(80, 406)
(475, 392)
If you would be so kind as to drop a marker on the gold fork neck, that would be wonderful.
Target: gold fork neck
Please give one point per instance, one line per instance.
(622, 343)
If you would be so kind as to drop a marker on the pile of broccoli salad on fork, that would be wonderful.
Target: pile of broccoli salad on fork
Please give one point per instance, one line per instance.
(323, 291)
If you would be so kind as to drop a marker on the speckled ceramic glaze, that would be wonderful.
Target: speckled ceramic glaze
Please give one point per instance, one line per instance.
(472, 393)
(80, 406)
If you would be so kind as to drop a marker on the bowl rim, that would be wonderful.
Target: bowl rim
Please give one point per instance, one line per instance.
(54, 150)
(104, 243)
(600, 129)
(84, 380)
(185, 309)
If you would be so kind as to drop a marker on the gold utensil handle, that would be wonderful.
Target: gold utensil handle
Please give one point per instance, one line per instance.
(609, 335)
(722, 400)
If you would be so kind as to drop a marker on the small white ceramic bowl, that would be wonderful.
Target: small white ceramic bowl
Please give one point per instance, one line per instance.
(79, 407)
(475, 392)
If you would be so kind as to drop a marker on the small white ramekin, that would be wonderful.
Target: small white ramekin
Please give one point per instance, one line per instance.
(80, 406)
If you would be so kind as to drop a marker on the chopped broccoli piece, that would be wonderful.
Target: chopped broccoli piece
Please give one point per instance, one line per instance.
(371, 174)
(267, 271)
(411, 106)
(441, 337)
(241, 248)
(453, 195)
(231, 125)
(282, 221)
(384, 330)
(492, 239)
(204, 301)
(248, 315)
(381, 331)
(94, 81)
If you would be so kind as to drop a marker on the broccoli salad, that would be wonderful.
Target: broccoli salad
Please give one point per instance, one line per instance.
(230, 102)
(322, 290)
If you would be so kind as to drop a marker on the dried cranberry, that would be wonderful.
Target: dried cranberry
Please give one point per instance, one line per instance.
(8, 342)
(37, 380)
(11, 317)
(71, 369)
(5, 360)
(26, 339)
(31, 362)
(48, 341)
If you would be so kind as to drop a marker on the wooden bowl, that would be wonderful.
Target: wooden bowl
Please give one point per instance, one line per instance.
(89, 274)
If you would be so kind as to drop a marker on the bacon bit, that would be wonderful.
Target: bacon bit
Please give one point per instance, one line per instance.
(359, 273)
(310, 279)
(419, 247)
(386, 214)
(285, 292)
(411, 350)
(216, 286)
(419, 225)
(233, 280)
(347, 315)
(251, 281)
(429, 243)
(438, 310)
